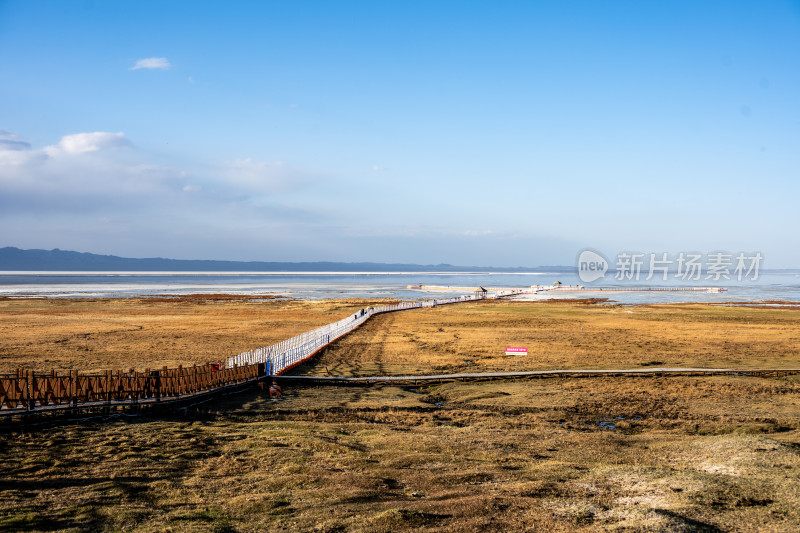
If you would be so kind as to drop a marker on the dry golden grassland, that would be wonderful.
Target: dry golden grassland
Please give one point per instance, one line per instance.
(96, 335)
(568, 334)
(623, 454)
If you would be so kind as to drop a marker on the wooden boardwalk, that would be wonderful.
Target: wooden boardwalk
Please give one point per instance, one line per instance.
(29, 393)
(565, 373)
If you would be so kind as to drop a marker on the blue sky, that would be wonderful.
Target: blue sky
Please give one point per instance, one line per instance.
(480, 133)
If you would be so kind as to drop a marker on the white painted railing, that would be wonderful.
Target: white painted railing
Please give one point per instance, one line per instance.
(293, 351)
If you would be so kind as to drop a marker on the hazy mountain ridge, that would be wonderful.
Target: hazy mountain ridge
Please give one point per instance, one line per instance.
(12, 258)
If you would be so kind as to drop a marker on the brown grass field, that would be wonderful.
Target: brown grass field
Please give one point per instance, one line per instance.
(95, 335)
(568, 334)
(621, 454)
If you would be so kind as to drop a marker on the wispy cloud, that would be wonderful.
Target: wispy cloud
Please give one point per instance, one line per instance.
(478, 233)
(9, 141)
(161, 63)
(265, 177)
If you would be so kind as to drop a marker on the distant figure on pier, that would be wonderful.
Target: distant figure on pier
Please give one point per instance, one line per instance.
(275, 391)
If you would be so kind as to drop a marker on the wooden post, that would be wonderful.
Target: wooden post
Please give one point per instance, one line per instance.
(131, 385)
(73, 385)
(31, 383)
(23, 388)
(107, 386)
(57, 387)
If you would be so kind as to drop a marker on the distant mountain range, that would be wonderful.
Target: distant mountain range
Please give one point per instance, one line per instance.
(63, 260)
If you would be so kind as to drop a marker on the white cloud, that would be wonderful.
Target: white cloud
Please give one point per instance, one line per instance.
(81, 143)
(161, 63)
(96, 190)
(377, 168)
(83, 171)
(99, 171)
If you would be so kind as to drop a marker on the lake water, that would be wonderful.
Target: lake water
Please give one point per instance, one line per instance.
(317, 285)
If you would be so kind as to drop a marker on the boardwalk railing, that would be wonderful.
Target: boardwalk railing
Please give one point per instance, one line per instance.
(27, 391)
(285, 355)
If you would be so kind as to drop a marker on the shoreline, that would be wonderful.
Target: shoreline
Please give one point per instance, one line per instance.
(336, 285)
(554, 297)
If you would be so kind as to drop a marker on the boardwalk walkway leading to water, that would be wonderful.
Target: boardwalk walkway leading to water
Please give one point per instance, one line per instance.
(28, 392)
(286, 355)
